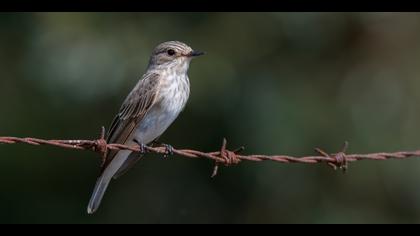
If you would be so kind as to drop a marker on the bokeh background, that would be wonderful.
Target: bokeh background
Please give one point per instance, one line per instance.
(278, 83)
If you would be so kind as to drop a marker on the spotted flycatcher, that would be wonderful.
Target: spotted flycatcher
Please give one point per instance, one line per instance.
(148, 110)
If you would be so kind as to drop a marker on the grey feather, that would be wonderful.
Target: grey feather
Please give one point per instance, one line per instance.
(103, 181)
(128, 164)
(97, 195)
(136, 105)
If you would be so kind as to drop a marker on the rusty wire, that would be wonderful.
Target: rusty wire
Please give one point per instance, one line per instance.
(224, 156)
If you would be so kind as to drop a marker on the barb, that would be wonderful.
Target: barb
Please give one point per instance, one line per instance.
(223, 156)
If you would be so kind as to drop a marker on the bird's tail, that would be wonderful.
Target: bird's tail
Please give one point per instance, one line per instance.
(103, 181)
(98, 193)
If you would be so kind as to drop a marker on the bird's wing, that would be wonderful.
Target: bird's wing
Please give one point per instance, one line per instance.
(134, 108)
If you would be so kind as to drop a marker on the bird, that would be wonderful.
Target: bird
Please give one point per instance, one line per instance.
(149, 109)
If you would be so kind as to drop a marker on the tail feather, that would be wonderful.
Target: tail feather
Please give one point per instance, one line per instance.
(128, 164)
(98, 193)
(103, 181)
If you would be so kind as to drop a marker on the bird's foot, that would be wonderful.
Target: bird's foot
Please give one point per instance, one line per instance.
(143, 149)
(169, 150)
(142, 146)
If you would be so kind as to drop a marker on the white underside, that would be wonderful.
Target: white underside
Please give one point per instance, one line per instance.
(170, 102)
(156, 121)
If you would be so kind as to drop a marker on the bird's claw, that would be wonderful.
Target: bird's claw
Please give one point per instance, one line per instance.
(169, 150)
(142, 146)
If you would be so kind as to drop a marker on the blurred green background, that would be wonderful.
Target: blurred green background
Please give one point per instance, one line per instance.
(278, 83)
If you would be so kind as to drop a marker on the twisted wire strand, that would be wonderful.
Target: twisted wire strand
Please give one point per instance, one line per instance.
(223, 156)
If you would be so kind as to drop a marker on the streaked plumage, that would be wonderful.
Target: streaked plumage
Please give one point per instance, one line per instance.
(148, 110)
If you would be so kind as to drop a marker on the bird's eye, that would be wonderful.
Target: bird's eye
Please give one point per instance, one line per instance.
(171, 52)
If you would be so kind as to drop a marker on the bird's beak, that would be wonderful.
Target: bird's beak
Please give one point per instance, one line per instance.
(195, 54)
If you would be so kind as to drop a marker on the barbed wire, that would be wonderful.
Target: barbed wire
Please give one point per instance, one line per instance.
(223, 156)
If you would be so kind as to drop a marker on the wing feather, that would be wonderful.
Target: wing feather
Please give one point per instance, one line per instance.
(134, 108)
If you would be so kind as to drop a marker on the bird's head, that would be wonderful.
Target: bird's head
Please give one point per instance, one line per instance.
(173, 54)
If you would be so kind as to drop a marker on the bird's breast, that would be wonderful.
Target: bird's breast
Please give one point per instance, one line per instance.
(171, 100)
(174, 93)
